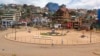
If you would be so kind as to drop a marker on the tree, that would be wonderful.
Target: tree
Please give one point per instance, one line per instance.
(72, 13)
(25, 6)
(27, 11)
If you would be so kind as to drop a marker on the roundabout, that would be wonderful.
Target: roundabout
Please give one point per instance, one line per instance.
(64, 37)
(9, 48)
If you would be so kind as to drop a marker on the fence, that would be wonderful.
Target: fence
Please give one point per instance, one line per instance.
(36, 39)
(44, 40)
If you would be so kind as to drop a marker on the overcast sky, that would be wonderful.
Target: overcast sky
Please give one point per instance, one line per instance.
(89, 4)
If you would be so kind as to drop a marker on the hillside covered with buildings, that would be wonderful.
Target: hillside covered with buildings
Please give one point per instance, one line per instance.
(12, 14)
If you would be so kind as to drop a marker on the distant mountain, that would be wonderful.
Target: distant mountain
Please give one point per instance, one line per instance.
(98, 14)
(52, 7)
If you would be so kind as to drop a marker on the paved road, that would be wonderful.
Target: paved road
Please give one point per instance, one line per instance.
(22, 49)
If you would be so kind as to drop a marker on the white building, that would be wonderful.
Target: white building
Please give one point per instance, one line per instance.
(10, 17)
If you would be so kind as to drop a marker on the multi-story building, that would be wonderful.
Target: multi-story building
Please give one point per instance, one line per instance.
(10, 17)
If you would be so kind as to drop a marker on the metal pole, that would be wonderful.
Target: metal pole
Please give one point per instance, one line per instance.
(52, 43)
(90, 36)
(15, 32)
(62, 41)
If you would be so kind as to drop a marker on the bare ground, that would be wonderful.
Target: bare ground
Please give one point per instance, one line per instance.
(10, 48)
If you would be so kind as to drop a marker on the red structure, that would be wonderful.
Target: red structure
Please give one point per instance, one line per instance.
(69, 25)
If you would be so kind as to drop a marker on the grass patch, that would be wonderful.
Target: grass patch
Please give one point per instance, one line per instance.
(50, 34)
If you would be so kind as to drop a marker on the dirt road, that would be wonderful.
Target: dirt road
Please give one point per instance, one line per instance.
(10, 48)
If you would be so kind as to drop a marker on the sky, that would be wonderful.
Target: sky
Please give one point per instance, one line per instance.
(87, 4)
